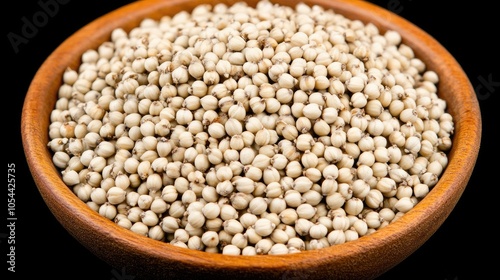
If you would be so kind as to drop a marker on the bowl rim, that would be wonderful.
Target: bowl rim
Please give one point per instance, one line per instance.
(442, 198)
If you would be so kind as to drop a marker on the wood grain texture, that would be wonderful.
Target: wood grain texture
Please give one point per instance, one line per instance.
(365, 258)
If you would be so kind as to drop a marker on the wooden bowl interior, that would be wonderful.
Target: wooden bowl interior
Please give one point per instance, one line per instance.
(365, 258)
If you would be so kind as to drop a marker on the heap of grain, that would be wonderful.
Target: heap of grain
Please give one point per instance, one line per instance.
(251, 130)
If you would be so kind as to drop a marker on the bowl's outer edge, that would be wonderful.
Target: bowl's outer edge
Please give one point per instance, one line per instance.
(365, 258)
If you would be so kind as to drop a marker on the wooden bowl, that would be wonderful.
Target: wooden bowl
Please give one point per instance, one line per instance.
(365, 258)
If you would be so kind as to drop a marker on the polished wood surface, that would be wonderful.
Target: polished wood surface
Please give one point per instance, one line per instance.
(365, 258)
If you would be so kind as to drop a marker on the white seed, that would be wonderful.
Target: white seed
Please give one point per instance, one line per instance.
(318, 231)
(336, 237)
(404, 204)
(263, 246)
(144, 201)
(302, 226)
(278, 249)
(353, 206)
(140, 228)
(420, 190)
(116, 195)
(149, 218)
(306, 211)
(228, 212)
(351, 235)
(232, 226)
(355, 84)
(225, 188)
(70, 177)
(263, 227)
(312, 111)
(196, 219)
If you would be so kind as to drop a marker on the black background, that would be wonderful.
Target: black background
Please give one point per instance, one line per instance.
(464, 247)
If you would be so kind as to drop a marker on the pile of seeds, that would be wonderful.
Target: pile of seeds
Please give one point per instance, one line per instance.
(251, 130)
